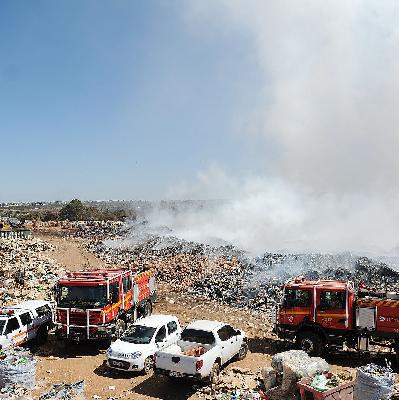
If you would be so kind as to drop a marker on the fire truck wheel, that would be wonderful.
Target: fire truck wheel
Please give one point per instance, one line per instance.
(120, 327)
(310, 342)
(148, 365)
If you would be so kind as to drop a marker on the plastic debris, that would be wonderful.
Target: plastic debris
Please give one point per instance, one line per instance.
(374, 382)
(17, 367)
(65, 391)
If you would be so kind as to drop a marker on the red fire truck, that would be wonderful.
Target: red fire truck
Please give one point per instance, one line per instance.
(327, 313)
(99, 304)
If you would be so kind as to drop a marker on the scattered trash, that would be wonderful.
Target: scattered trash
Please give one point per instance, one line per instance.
(374, 382)
(17, 367)
(24, 258)
(65, 391)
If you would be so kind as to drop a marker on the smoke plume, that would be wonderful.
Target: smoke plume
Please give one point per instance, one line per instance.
(328, 113)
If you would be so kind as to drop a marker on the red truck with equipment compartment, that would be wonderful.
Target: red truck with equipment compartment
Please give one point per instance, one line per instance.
(99, 304)
(328, 313)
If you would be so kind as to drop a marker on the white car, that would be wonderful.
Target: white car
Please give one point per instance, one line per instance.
(135, 350)
(30, 320)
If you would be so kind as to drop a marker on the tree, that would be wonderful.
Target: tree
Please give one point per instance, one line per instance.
(73, 211)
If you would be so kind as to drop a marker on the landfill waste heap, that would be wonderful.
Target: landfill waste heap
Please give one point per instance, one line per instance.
(229, 275)
(25, 273)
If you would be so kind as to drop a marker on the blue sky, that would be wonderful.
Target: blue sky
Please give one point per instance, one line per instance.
(117, 99)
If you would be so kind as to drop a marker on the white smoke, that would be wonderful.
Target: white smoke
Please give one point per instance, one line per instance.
(329, 110)
(270, 215)
(330, 86)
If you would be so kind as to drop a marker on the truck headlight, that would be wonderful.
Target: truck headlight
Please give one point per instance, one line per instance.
(134, 355)
(109, 352)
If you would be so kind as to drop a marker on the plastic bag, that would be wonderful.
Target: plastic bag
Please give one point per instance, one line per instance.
(374, 382)
(319, 383)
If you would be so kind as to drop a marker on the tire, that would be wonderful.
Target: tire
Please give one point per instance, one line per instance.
(147, 309)
(310, 342)
(148, 365)
(242, 353)
(120, 327)
(213, 377)
(42, 335)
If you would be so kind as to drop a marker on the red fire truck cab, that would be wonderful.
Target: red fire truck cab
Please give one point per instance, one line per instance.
(99, 304)
(318, 314)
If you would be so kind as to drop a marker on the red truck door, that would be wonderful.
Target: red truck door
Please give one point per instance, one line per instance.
(297, 306)
(331, 309)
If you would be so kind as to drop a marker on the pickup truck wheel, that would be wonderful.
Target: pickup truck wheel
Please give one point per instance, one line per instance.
(120, 327)
(213, 377)
(42, 335)
(310, 342)
(242, 353)
(148, 365)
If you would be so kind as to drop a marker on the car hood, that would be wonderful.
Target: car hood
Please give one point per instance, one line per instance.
(125, 347)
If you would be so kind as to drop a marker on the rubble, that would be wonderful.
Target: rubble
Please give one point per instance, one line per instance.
(229, 275)
(65, 391)
(17, 367)
(25, 273)
(234, 384)
(287, 369)
(15, 392)
(374, 382)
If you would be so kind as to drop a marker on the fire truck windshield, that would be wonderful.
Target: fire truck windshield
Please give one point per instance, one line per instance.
(82, 296)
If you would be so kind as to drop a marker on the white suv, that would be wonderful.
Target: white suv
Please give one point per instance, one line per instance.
(135, 350)
(26, 321)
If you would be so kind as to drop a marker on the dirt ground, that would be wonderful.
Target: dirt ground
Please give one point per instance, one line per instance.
(71, 253)
(58, 363)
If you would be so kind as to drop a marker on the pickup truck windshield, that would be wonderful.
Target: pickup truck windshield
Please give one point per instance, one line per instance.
(82, 296)
(139, 334)
(2, 325)
(197, 336)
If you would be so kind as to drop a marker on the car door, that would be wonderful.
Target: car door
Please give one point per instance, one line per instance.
(229, 342)
(173, 334)
(160, 338)
(14, 331)
(27, 322)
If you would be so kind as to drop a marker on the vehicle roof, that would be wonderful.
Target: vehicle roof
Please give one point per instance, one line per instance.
(319, 283)
(22, 307)
(31, 304)
(155, 320)
(205, 325)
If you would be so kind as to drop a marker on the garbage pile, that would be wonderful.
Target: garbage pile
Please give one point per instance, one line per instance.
(229, 275)
(374, 382)
(25, 273)
(234, 384)
(65, 391)
(17, 367)
(287, 368)
(15, 392)
(83, 229)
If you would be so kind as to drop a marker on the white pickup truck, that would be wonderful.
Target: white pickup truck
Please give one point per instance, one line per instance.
(24, 322)
(204, 347)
